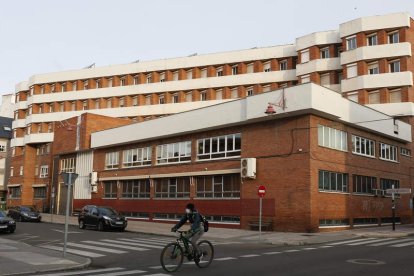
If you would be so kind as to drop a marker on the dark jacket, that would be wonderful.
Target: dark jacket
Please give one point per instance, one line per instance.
(194, 218)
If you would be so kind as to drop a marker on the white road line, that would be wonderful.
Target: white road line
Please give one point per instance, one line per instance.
(370, 241)
(149, 241)
(132, 242)
(116, 245)
(292, 250)
(390, 242)
(249, 256)
(309, 248)
(350, 241)
(272, 253)
(325, 246)
(123, 273)
(97, 248)
(403, 244)
(84, 272)
(160, 267)
(225, 259)
(73, 251)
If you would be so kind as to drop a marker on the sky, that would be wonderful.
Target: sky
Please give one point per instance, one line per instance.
(45, 36)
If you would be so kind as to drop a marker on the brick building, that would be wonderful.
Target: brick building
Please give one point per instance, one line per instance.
(368, 60)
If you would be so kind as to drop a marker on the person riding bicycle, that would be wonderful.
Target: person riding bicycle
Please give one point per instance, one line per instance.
(196, 230)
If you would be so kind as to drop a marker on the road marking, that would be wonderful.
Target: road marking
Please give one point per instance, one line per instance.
(309, 248)
(350, 241)
(62, 231)
(149, 241)
(249, 256)
(370, 241)
(292, 250)
(123, 273)
(159, 267)
(272, 253)
(28, 238)
(225, 259)
(390, 242)
(109, 250)
(84, 272)
(403, 244)
(116, 245)
(132, 242)
(325, 246)
(73, 251)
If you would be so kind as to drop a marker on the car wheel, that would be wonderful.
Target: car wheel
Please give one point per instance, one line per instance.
(11, 231)
(100, 226)
(81, 224)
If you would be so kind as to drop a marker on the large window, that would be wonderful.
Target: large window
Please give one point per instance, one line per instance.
(225, 146)
(67, 165)
(388, 152)
(373, 68)
(332, 138)
(15, 192)
(393, 37)
(372, 40)
(137, 157)
(364, 184)
(304, 56)
(136, 188)
(363, 146)
(324, 53)
(351, 43)
(110, 189)
(39, 192)
(388, 183)
(174, 153)
(218, 186)
(111, 160)
(44, 171)
(333, 181)
(172, 187)
(394, 66)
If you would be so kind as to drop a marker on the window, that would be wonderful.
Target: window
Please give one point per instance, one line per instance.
(67, 165)
(136, 188)
(234, 93)
(219, 72)
(123, 81)
(363, 146)
(174, 153)
(61, 107)
(97, 104)
(175, 75)
(351, 70)
(325, 79)
(333, 222)
(305, 79)
(52, 88)
(161, 99)
(11, 171)
(394, 66)
(137, 157)
(249, 91)
(393, 37)
(188, 97)
(108, 103)
(250, 68)
(39, 192)
(44, 171)
(110, 82)
(351, 43)
(121, 102)
(175, 98)
(225, 146)
(374, 97)
(110, 189)
(136, 80)
(333, 181)
(364, 184)
(63, 87)
(189, 74)
(304, 55)
(149, 78)
(111, 160)
(148, 100)
(15, 192)
(219, 94)
(73, 106)
(21, 170)
(74, 86)
(332, 138)
(373, 68)
(405, 152)
(51, 108)
(42, 89)
(135, 101)
(283, 65)
(324, 53)
(388, 152)
(172, 187)
(372, 40)
(85, 85)
(84, 105)
(389, 183)
(203, 96)
(218, 186)
(204, 73)
(267, 67)
(162, 77)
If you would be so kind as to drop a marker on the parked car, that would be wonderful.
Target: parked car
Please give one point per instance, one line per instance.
(24, 213)
(101, 218)
(6, 224)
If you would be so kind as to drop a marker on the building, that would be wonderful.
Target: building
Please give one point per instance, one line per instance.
(7, 106)
(367, 60)
(5, 137)
(322, 166)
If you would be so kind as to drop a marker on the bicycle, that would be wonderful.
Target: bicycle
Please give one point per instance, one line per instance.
(173, 254)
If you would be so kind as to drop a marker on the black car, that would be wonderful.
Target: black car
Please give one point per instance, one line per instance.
(24, 213)
(101, 218)
(6, 224)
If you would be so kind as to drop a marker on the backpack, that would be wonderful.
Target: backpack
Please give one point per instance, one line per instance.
(205, 222)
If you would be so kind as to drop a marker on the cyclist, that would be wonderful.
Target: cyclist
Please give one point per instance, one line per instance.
(196, 230)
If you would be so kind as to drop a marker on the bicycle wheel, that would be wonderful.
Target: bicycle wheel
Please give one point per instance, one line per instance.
(207, 254)
(171, 257)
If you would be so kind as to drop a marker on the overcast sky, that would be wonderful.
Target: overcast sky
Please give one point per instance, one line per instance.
(49, 35)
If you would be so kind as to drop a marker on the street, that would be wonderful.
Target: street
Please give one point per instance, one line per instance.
(127, 253)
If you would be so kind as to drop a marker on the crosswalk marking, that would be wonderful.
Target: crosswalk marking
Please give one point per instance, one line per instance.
(390, 242)
(309, 248)
(119, 273)
(132, 242)
(73, 251)
(350, 241)
(292, 250)
(403, 244)
(97, 248)
(84, 272)
(225, 259)
(149, 241)
(111, 244)
(368, 241)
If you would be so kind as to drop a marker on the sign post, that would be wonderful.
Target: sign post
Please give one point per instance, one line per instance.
(68, 179)
(261, 192)
(394, 191)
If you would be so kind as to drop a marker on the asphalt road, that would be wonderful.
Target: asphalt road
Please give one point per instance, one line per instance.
(116, 253)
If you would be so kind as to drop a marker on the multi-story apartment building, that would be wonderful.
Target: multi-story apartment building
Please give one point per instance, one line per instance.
(368, 60)
(5, 137)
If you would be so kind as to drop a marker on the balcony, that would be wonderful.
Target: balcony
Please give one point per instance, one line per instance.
(20, 105)
(38, 138)
(17, 142)
(19, 123)
(318, 38)
(318, 65)
(377, 81)
(376, 52)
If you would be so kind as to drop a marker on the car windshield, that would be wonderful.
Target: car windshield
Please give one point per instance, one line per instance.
(27, 209)
(2, 214)
(107, 211)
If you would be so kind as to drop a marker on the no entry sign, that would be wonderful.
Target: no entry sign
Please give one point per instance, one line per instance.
(261, 191)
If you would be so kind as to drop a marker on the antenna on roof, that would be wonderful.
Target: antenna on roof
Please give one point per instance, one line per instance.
(90, 66)
(192, 55)
(136, 61)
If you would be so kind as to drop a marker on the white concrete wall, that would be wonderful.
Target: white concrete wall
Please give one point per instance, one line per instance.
(377, 80)
(318, 65)
(318, 38)
(395, 109)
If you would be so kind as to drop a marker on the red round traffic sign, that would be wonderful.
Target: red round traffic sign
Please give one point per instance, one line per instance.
(261, 191)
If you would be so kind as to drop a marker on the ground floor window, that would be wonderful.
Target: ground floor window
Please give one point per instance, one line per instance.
(39, 192)
(223, 219)
(333, 181)
(364, 184)
(365, 221)
(136, 188)
(387, 183)
(389, 220)
(162, 216)
(15, 192)
(110, 189)
(178, 187)
(334, 222)
(218, 186)
(137, 215)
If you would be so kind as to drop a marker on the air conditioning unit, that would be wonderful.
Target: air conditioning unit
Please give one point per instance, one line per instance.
(248, 167)
(376, 192)
(94, 188)
(93, 178)
(383, 193)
